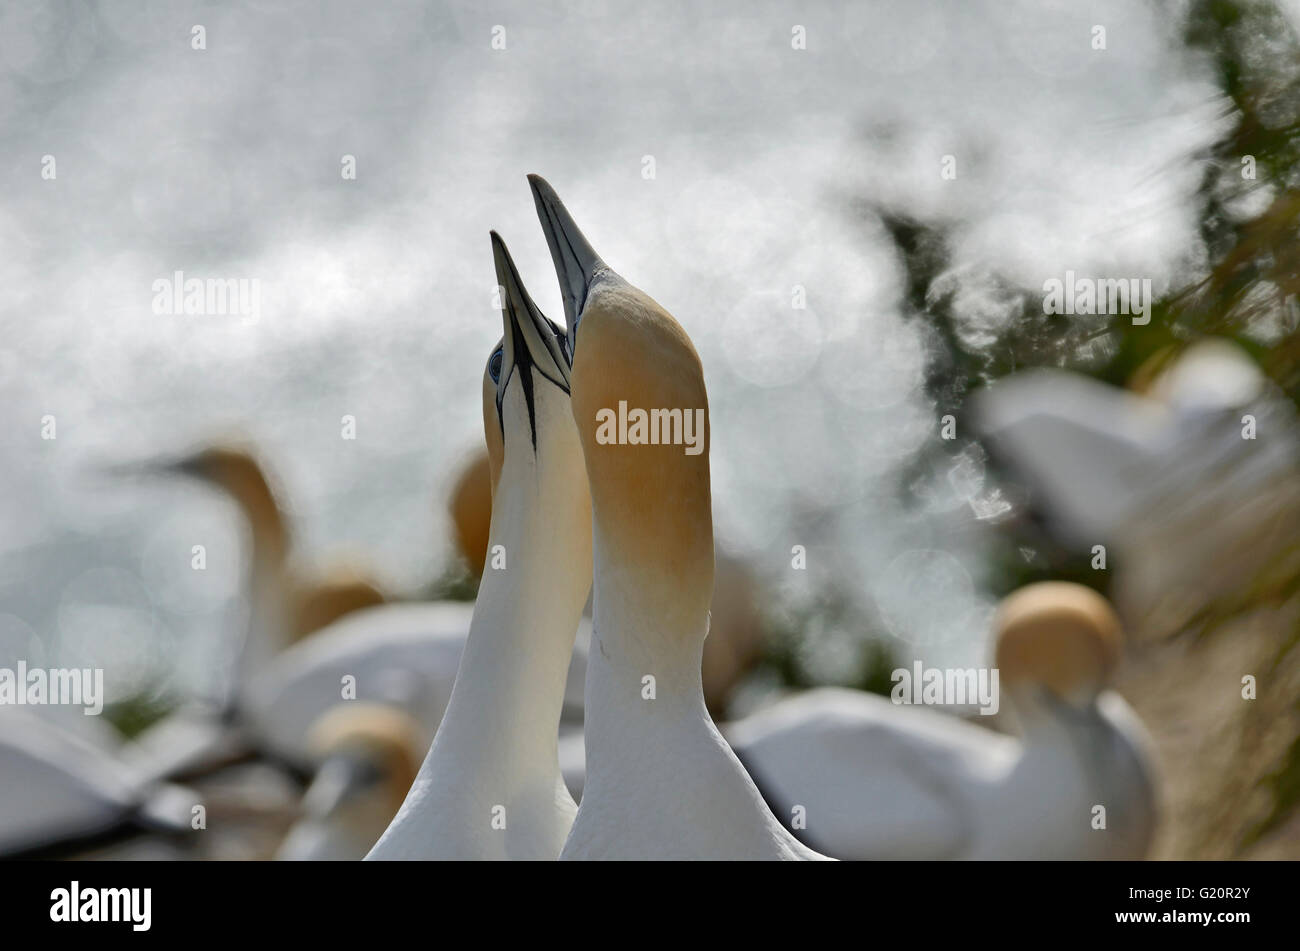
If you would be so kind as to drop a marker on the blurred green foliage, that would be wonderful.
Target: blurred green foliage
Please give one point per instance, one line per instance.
(132, 716)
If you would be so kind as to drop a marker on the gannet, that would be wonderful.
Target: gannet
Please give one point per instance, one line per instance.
(367, 756)
(661, 783)
(283, 607)
(59, 788)
(490, 787)
(867, 779)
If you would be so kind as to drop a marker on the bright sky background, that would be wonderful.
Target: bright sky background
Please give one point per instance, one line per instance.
(376, 293)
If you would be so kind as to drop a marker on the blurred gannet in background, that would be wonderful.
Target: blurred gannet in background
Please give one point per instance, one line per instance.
(471, 510)
(1192, 508)
(877, 781)
(57, 790)
(367, 756)
(491, 787)
(284, 605)
(661, 783)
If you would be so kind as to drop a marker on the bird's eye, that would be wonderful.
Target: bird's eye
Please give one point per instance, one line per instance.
(494, 365)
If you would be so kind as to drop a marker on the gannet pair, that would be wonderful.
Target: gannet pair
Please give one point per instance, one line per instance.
(662, 781)
(871, 780)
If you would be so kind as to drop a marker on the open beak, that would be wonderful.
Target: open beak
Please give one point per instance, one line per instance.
(531, 340)
(576, 262)
(531, 344)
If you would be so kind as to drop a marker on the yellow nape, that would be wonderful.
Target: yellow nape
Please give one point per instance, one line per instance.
(1058, 634)
(651, 501)
(381, 733)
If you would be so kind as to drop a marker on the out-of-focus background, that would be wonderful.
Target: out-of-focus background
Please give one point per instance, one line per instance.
(852, 209)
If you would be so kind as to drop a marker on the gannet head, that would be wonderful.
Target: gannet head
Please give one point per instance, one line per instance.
(1060, 636)
(369, 749)
(531, 440)
(229, 467)
(526, 381)
(1211, 375)
(577, 264)
(367, 756)
(651, 502)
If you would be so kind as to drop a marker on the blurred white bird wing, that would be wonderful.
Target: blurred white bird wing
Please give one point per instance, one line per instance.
(875, 780)
(57, 786)
(1092, 450)
(188, 741)
(403, 654)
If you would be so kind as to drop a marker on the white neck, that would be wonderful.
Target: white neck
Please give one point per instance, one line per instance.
(495, 757)
(661, 782)
(270, 608)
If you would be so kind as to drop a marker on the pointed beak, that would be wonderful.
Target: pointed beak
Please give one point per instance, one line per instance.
(531, 341)
(576, 262)
(149, 468)
(337, 781)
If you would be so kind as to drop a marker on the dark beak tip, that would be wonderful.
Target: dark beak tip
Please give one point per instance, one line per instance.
(542, 190)
(505, 267)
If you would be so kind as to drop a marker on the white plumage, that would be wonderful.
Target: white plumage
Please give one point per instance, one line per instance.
(59, 787)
